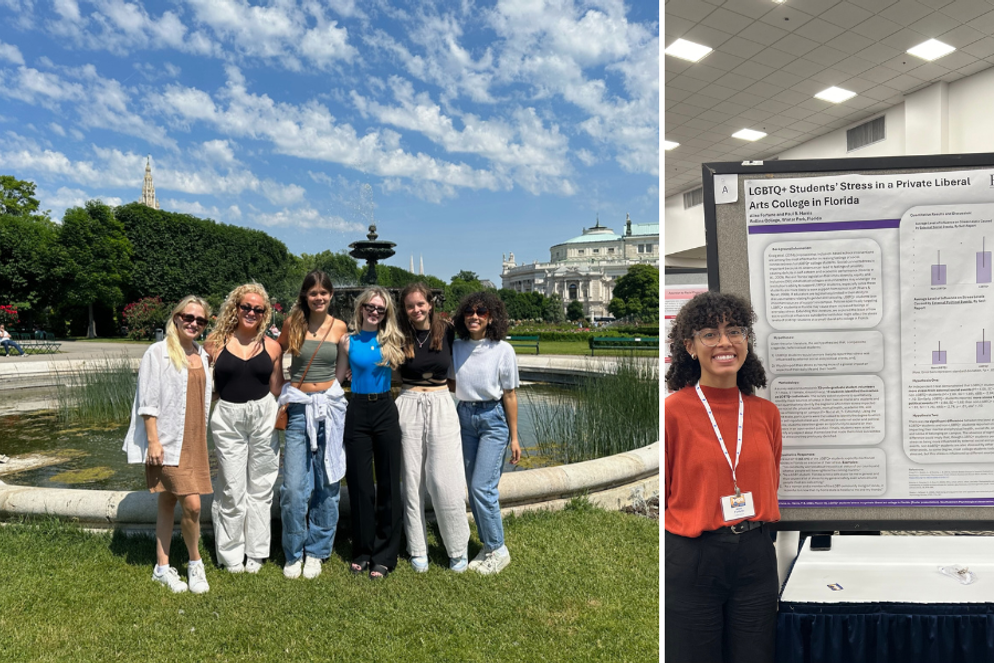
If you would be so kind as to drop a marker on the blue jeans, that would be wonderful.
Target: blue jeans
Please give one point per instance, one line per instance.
(485, 438)
(308, 504)
(7, 344)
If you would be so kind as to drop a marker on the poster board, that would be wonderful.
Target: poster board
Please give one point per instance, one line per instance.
(871, 279)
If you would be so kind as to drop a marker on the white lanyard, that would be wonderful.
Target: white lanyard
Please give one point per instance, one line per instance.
(721, 441)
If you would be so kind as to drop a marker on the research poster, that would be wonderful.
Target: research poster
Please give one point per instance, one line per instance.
(676, 297)
(876, 317)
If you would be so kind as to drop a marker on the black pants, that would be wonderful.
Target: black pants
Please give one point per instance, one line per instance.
(372, 438)
(721, 598)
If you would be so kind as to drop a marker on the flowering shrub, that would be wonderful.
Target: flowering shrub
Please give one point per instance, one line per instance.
(8, 315)
(143, 317)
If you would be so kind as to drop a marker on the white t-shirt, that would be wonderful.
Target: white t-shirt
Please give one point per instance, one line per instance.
(483, 369)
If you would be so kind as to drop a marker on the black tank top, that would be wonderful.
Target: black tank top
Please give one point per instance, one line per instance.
(242, 380)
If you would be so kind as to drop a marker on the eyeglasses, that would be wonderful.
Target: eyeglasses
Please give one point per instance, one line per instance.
(712, 337)
(480, 311)
(378, 310)
(252, 309)
(190, 319)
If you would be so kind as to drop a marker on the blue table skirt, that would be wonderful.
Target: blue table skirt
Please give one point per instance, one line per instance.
(882, 632)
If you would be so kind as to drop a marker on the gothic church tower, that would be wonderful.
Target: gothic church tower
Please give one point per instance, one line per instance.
(148, 189)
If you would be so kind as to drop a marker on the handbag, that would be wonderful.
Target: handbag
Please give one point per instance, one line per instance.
(282, 416)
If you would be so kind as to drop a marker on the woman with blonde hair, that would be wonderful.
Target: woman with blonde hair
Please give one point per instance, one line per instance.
(248, 376)
(313, 456)
(372, 433)
(168, 433)
(431, 442)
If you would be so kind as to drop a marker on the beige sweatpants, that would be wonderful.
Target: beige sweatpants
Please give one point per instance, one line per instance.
(432, 466)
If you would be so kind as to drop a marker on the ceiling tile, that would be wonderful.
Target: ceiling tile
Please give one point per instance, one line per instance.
(692, 10)
(846, 15)
(938, 4)
(676, 66)
(850, 42)
(718, 92)
(961, 36)
(812, 105)
(789, 134)
(764, 89)
(722, 60)
(733, 81)
(906, 12)
(809, 87)
(934, 24)
(830, 77)
(753, 8)
(879, 53)
(730, 108)
(879, 74)
(685, 83)
(753, 70)
(703, 72)
(952, 77)
(881, 92)
(819, 30)
(772, 57)
(932, 71)
(796, 45)
(748, 100)
(783, 79)
(803, 68)
(904, 39)
(813, 7)
(857, 84)
(786, 16)
(755, 115)
(702, 34)
(742, 48)
(984, 23)
(982, 48)
(772, 105)
(763, 33)
(826, 56)
(853, 65)
(798, 113)
(715, 116)
(974, 68)
(965, 11)
(876, 6)
(875, 27)
(804, 126)
(727, 21)
(790, 97)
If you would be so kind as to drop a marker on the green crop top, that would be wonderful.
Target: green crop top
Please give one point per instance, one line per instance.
(323, 368)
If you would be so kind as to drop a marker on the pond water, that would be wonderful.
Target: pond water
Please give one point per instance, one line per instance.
(94, 458)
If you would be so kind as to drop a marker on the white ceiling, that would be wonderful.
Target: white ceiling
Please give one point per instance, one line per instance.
(770, 59)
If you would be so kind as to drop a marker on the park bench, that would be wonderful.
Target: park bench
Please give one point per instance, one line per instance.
(523, 342)
(37, 343)
(610, 343)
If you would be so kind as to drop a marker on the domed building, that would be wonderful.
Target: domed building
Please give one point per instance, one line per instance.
(585, 268)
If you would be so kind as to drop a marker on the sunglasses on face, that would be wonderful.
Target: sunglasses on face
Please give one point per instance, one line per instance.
(252, 309)
(190, 319)
(480, 311)
(378, 310)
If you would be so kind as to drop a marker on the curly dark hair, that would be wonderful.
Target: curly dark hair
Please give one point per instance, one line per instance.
(710, 309)
(496, 325)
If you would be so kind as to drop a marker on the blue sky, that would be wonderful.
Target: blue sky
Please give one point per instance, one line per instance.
(477, 128)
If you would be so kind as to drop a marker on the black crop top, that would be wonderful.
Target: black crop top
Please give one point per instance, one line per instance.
(242, 380)
(428, 368)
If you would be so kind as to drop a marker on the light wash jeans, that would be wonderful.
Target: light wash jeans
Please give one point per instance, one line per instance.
(308, 504)
(7, 344)
(485, 438)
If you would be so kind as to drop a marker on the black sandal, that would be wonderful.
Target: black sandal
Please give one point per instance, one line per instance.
(379, 569)
(358, 568)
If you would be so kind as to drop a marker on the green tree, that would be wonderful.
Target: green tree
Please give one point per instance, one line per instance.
(30, 260)
(17, 198)
(459, 288)
(552, 309)
(341, 268)
(98, 258)
(465, 275)
(639, 291)
(574, 311)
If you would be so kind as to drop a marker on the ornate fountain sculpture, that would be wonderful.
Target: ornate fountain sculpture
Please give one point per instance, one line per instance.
(372, 251)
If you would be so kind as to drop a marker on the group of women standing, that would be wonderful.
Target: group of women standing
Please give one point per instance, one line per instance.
(393, 454)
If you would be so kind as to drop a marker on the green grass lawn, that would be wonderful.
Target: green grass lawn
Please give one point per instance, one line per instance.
(580, 348)
(583, 585)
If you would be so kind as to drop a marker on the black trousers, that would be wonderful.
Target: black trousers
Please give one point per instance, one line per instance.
(372, 439)
(721, 598)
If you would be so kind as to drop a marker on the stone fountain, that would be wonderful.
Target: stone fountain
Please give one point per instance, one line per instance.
(372, 250)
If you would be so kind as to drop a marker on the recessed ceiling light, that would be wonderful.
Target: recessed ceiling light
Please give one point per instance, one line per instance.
(669, 144)
(836, 95)
(933, 49)
(748, 134)
(687, 50)
(779, 2)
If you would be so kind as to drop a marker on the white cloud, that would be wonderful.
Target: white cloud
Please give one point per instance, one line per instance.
(586, 157)
(57, 128)
(11, 53)
(282, 194)
(305, 218)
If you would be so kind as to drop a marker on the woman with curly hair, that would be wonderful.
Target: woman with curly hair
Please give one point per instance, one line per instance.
(486, 374)
(429, 424)
(313, 455)
(248, 376)
(722, 454)
(168, 433)
(372, 434)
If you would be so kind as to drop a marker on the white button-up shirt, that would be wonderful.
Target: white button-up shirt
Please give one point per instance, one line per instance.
(161, 394)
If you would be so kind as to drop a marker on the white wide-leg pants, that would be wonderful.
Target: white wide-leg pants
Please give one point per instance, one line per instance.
(248, 460)
(431, 448)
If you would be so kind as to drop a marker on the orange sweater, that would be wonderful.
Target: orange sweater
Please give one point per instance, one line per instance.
(697, 474)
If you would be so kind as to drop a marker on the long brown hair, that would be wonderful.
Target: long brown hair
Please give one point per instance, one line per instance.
(295, 327)
(436, 326)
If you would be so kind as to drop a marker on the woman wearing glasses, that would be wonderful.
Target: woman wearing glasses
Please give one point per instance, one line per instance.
(722, 454)
(248, 375)
(168, 433)
(486, 373)
(313, 456)
(431, 443)
(372, 434)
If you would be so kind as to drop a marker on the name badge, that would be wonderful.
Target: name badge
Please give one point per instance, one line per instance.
(736, 507)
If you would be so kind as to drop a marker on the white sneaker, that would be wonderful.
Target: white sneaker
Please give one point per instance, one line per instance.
(494, 563)
(197, 576)
(170, 578)
(235, 568)
(253, 565)
(457, 564)
(480, 556)
(312, 567)
(292, 571)
(420, 564)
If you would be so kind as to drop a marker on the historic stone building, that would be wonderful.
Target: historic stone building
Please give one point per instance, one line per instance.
(148, 189)
(585, 268)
